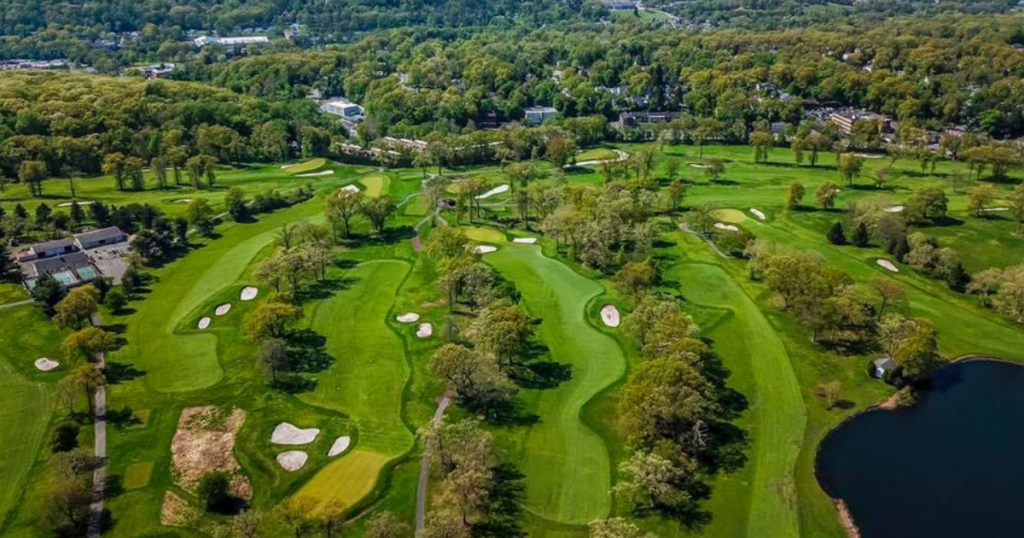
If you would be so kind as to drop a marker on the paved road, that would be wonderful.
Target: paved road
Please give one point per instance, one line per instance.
(686, 228)
(421, 488)
(99, 477)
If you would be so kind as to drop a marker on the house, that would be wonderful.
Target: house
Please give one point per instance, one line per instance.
(636, 119)
(231, 43)
(47, 249)
(99, 238)
(846, 118)
(883, 367)
(537, 115)
(351, 113)
(618, 5)
(69, 269)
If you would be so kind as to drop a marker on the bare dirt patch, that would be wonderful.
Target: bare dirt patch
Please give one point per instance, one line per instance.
(205, 443)
(846, 519)
(176, 512)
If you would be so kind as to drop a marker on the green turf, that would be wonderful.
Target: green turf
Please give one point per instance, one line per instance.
(24, 411)
(366, 382)
(311, 165)
(376, 184)
(566, 464)
(483, 235)
(597, 154)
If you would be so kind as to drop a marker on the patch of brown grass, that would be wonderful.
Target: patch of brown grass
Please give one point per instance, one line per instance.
(177, 512)
(205, 443)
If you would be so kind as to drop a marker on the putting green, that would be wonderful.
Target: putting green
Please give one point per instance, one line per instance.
(567, 468)
(366, 381)
(732, 216)
(376, 184)
(308, 166)
(747, 340)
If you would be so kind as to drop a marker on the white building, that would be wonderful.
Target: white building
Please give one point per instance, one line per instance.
(536, 115)
(351, 113)
(233, 43)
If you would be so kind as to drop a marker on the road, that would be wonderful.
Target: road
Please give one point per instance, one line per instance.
(421, 487)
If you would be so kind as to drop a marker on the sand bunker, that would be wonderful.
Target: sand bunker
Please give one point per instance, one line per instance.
(610, 315)
(887, 265)
(485, 249)
(205, 443)
(69, 204)
(729, 227)
(45, 364)
(757, 213)
(292, 461)
(223, 309)
(286, 166)
(425, 330)
(340, 445)
(204, 322)
(409, 317)
(696, 165)
(316, 174)
(868, 155)
(496, 190)
(181, 200)
(289, 434)
(894, 209)
(350, 188)
(525, 240)
(996, 209)
(249, 293)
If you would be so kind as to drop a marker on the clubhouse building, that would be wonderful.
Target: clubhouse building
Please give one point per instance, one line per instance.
(76, 260)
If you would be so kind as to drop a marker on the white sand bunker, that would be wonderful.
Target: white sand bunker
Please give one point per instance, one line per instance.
(409, 317)
(729, 227)
(425, 330)
(316, 174)
(610, 315)
(525, 240)
(894, 209)
(223, 309)
(286, 166)
(292, 461)
(340, 445)
(496, 190)
(757, 213)
(350, 188)
(249, 293)
(996, 209)
(485, 249)
(868, 155)
(887, 265)
(288, 434)
(697, 165)
(204, 322)
(45, 364)
(181, 201)
(69, 204)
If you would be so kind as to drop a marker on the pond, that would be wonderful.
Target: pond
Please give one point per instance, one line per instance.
(951, 466)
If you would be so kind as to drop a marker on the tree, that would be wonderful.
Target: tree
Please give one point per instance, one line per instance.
(795, 195)
(87, 343)
(235, 202)
(893, 329)
(68, 506)
(1016, 199)
(830, 392)
(48, 292)
(703, 216)
(247, 524)
(114, 165)
(1010, 298)
(9, 270)
(270, 271)
(64, 437)
(271, 320)
(676, 193)
(636, 277)
(826, 195)
(714, 168)
(474, 376)
(918, 355)
(77, 307)
(861, 237)
(559, 151)
(646, 315)
(378, 211)
(200, 215)
(116, 300)
(652, 481)
(980, 198)
(615, 528)
(43, 216)
(849, 167)
(958, 278)
(159, 167)
(386, 525)
(274, 356)
(762, 142)
(888, 290)
(195, 166)
(214, 490)
(928, 203)
(501, 328)
(33, 173)
(672, 167)
(882, 176)
(340, 207)
(835, 234)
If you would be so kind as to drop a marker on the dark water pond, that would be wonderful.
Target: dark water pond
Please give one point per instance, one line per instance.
(952, 466)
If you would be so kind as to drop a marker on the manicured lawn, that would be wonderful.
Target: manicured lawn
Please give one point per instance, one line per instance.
(25, 409)
(483, 235)
(566, 464)
(597, 154)
(376, 184)
(311, 165)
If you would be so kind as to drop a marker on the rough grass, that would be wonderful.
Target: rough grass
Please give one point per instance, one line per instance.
(566, 463)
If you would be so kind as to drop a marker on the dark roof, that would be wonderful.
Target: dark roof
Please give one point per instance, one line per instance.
(885, 363)
(103, 234)
(50, 245)
(57, 264)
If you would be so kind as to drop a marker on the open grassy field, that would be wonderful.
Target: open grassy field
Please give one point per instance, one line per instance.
(25, 408)
(567, 468)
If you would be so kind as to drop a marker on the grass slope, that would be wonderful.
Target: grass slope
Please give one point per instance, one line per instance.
(24, 412)
(366, 382)
(566, 464)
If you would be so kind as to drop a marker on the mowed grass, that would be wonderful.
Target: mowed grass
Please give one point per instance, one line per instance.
(366, 381)
(24, 416)
(311, 165)
(596, 154)
(376, 184)
(567, 466)
(746, 341)
(483, 235)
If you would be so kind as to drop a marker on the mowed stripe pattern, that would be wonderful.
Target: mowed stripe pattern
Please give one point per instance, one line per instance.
(366, 381)
(567, 467)
(24, 409)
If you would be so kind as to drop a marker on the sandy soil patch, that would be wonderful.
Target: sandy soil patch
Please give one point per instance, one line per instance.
(610, 315)
(205, 443)
(288, 434)
(409, 317)
(846, 519)
(249, 293)
(729, 227)
(757, 213)
(69, 204)
(204, 323)
(525, 240)
(340, 445)
(176, 512)
(894, 209)
(44, 364)
(316, 174)
(425, 330)
(223, 309)
(495, 191)
(887, 265)
(292, 461)
(485, 249)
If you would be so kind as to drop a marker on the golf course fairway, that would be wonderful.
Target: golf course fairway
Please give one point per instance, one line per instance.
(24, 409)
(567, 467)
(366, 380)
